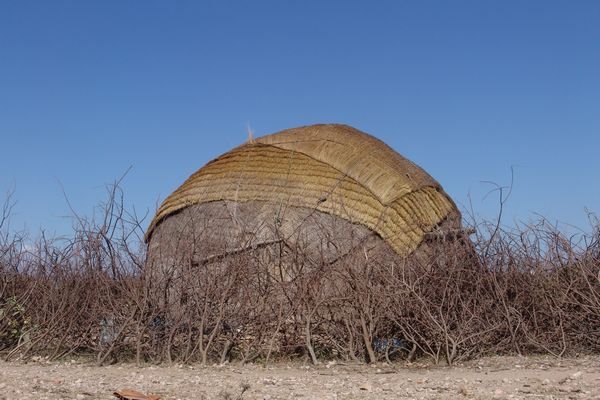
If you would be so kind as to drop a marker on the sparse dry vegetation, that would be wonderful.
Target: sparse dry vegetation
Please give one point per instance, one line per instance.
(527, 290)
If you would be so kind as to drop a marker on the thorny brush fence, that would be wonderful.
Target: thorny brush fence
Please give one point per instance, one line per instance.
(529, 290)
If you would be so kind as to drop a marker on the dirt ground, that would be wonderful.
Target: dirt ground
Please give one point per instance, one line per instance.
(488, 378)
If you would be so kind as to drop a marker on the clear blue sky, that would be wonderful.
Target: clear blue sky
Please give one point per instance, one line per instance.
(466, 89)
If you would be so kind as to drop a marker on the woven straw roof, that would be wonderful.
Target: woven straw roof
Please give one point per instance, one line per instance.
(331, 168)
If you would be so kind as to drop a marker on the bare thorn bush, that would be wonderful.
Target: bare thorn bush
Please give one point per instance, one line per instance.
(530, 289)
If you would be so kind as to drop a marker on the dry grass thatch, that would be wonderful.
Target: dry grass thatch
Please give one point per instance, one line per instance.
(334, 169)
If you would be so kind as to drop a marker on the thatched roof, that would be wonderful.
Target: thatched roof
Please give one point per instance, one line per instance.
(331, 168)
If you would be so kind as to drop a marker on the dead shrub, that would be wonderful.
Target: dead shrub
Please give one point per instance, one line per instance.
(532, 289)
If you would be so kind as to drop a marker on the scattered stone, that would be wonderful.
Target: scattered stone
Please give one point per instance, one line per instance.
(129, 394)
(366, 387)
(577, 375)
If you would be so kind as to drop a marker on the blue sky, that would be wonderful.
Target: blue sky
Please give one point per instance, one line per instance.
(466, 89)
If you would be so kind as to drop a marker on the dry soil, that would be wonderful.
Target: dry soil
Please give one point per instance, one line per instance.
(488, 378)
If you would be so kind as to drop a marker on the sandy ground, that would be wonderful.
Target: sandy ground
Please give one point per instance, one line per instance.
(488, 378)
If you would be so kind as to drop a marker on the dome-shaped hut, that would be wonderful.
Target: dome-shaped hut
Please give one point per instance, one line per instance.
(312, 184)
(268, 211)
